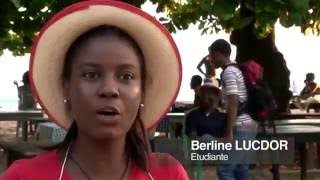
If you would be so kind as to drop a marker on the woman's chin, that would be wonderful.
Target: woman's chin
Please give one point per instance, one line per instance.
(107, 134)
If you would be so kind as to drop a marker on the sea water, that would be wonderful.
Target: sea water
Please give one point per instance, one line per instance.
(8, 104)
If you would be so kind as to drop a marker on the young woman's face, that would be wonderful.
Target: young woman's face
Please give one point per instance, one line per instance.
(105, 87)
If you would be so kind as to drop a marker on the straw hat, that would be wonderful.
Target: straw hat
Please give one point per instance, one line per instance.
(161, 55)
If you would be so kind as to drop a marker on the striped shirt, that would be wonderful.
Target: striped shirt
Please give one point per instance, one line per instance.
(234, 84)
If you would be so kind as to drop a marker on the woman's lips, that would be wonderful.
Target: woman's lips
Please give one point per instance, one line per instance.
(108, 110)
(108, 115)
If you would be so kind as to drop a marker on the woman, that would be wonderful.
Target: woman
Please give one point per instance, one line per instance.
(101, 68)
(208, 65)
(210, 70)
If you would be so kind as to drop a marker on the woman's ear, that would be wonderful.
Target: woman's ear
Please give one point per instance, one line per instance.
(66, 95)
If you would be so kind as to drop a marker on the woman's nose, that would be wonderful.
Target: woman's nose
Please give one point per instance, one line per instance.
(109, 87)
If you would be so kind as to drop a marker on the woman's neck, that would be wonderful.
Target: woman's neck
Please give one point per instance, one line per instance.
(106, 158)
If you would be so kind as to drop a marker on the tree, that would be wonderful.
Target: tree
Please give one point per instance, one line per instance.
(215, 15)
(20, 20)
(251, 25)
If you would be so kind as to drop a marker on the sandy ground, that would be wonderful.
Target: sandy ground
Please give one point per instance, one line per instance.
(7, 130)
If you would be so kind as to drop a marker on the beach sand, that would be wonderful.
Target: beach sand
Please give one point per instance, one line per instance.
(7, 130)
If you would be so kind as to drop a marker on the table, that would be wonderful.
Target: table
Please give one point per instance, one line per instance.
(298, 116)
(22, 116)
(314, 122)
(284, 119)
(302, 134)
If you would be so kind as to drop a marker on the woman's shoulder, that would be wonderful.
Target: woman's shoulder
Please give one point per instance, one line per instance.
(162, 159)
(35, 167)
(41, 159)
(164, 166)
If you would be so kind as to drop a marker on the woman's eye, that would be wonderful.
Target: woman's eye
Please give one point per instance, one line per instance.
(127, 76)
(90, 75)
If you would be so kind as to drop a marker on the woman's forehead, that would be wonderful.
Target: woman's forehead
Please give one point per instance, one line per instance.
(107, 50)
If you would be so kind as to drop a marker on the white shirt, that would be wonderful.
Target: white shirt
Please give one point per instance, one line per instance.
(233, 84)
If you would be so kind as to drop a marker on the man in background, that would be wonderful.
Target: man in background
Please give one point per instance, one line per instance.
(310, 94)
(239, 125)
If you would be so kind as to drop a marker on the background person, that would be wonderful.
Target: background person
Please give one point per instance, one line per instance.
(210, 72)
(195, 85)
(26, 100)
(206, 119)
(310, 93)
(238, 126)
(310, 89)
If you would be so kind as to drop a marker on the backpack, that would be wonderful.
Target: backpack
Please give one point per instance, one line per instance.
(260, 104)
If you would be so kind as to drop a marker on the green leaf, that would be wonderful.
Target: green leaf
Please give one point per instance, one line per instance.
(284, 21)
(206, 5)
(240, 23)
(224, 9)
(294, 18)
(279, 1)
(299, 4)
(204, 31)
(163, 19)
(170, 26)
(201, 25)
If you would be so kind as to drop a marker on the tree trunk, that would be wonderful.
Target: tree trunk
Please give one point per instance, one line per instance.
(264, 52)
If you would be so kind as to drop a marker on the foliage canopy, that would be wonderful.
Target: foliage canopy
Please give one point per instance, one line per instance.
(21, 19)
(214, 15)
